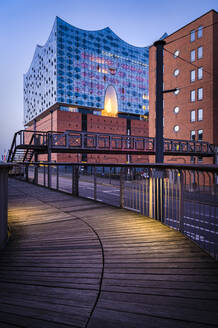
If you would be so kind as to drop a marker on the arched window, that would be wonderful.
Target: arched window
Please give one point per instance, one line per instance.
(110, 102)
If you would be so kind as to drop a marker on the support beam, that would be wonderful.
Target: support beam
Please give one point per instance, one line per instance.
(159, 101)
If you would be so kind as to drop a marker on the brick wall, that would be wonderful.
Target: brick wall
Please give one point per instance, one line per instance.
(103, 124)
(62, 121)
(183, 82)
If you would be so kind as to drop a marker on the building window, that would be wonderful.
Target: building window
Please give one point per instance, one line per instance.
(176, 92)
(200, 93)
(176, 128)
(200, 73)
(193, 116)
(192, 95)
(192, 135)
(176, 110)
(176, 72)
(192, 36)
(200, 32)
(193, 76)
(200, 52)
(200, 114)
(200, 135)
(192, 55)
(176, 54)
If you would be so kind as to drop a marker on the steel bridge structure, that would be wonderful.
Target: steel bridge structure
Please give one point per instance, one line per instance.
(27, 143)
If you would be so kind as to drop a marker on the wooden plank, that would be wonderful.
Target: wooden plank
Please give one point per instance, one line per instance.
(51, 271)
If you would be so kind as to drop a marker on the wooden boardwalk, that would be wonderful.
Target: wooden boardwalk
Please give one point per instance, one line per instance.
(73, 262)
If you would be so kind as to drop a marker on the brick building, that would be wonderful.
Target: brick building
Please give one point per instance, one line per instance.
(87, 81)
(60, 120)
(191, 66)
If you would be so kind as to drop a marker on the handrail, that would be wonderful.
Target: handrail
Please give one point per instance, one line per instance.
(12, 147)
(107, 143)
(183, 196)
(195, 167)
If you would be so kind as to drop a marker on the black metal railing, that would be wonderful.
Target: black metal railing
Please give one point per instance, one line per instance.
(89, 142)
(184, 197)
(4, 203)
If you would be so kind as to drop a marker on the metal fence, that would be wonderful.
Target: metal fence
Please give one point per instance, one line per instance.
(184, 197)
(4, 168)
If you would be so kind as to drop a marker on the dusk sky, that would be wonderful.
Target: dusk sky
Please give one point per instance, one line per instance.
(26, 23)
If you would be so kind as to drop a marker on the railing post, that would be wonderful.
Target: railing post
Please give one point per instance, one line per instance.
(27, 172)
(181, 203)
(49, 159)
(122, 187)
(67, 140)
(95, 184)
(75, 180)
(57, 175)
(44, 180)
(159, 195)
(3, 204)
(83, 140)
(35, 181)
(35, 166)
(151, 196)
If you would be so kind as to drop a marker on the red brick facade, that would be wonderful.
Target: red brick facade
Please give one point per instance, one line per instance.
(208, 83)
(61, 121)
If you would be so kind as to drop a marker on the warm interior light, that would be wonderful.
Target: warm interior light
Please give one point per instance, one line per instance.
(108, 106)
(145, 96)
(110, 102)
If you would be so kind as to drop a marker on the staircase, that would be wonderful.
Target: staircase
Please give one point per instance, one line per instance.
(22, 147)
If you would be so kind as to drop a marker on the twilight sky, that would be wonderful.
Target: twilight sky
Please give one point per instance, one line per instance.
(25, 23)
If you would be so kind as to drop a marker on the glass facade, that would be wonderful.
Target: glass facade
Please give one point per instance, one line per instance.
(77, 68)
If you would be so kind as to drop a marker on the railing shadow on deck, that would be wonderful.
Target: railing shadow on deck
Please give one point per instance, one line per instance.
(184, 197)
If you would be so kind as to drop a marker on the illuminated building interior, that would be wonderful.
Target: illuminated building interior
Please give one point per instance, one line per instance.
(76, 68)
(110, 103)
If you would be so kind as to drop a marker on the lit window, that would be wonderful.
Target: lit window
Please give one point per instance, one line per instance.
(200, 93)
(200, 52)
(176, 72)
(193, 116)
(193, 76)
(192, 55)
(200, 134)
(192, 36)
(176, 128)
(144, 96)
(200, 114)
(176, 110)
(176, 54)
(192, 135)
(192, 95)
(200, 73)
(200, 32)
(176, 92)
(110, 102)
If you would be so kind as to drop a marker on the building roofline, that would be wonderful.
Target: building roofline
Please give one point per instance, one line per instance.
(103, 29)
(212, 10)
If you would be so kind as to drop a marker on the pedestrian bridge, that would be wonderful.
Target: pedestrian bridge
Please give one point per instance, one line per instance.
(74, 262)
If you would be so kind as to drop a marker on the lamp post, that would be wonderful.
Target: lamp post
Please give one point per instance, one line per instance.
(159, 156)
